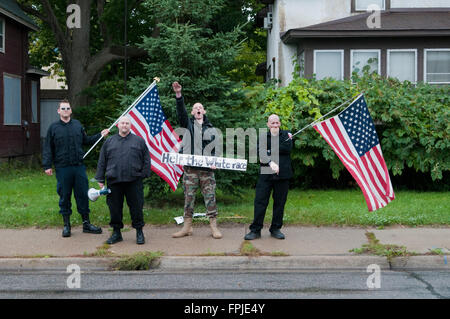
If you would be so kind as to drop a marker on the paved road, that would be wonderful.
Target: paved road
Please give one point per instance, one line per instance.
(225, 285)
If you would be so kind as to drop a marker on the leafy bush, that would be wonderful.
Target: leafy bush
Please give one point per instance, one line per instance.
(412, 122)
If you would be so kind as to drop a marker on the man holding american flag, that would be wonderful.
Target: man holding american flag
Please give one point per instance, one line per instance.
(124, 161)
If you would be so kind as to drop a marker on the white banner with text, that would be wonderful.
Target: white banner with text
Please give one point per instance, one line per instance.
(204, 161)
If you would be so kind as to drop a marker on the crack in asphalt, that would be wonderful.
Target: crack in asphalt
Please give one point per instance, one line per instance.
(429, 286)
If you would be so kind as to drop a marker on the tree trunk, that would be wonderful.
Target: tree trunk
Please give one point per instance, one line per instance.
(79, 83)
(80, 67)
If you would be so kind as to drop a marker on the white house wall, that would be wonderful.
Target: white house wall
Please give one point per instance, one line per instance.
(291, 14)
(52, 82)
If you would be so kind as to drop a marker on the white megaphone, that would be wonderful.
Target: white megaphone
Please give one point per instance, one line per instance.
(93, 193)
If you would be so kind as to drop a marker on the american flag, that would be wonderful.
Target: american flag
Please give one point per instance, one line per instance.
(149, 122)
(352, 136)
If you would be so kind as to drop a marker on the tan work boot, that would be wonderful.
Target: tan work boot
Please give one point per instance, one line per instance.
(186, 230)
(215, 231)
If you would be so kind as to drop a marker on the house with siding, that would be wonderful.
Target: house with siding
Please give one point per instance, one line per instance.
(408, 40)
(19, 85)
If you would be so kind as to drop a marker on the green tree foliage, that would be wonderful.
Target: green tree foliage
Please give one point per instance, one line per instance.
(188, 51)
(251, 54)
(194, 42)
(84, 51)
(253, 51)
(197, 48)
(100, 113)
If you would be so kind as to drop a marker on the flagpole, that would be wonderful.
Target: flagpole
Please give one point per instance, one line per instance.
(318, 120)
(155, 80)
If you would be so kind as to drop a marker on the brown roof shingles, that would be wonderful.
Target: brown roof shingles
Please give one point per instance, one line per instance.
(393, 22)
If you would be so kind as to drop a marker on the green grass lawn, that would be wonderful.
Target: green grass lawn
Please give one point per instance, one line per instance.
(28, 198)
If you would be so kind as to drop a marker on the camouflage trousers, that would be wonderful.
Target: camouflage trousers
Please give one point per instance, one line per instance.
(192, 179)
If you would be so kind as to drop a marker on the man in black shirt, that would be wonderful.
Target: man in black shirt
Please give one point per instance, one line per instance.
(275, 172)
(63, 149)
(124, 161)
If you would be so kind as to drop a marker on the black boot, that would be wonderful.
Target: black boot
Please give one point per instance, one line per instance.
(277, 234)
(140, 239)
(253, 235)
(66, 229)
(115, 237)
(88, 227)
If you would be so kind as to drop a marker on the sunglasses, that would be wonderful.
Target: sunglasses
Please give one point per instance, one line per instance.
(64, 108)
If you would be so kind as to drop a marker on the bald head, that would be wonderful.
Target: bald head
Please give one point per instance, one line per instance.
(198, 111)
(273, 117)
(273, 123)
(125, 118)
(124, 125)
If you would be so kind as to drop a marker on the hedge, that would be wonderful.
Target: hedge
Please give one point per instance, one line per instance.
(412, 122)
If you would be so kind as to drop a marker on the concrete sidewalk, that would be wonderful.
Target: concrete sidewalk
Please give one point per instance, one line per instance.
(303, 248)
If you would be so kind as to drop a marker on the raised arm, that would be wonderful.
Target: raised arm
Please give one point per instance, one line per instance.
(183, 117)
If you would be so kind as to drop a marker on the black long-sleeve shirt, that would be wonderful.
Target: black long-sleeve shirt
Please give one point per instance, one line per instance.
(123, 159)
(198, 140)
(202, 136)
(63, 144)
(285, 145)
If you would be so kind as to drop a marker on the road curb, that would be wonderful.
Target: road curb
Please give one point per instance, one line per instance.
(55, 263)
(176, 263)
(267, 262)
(421, 262)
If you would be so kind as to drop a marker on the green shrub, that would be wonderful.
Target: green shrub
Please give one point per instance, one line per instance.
(412, 122)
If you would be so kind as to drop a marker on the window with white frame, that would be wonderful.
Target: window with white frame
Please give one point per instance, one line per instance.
(365, 59)
(2, 35)
(12, 99)
(437, 66)
(329, 63)
(34, 104)
(363, 5)
(402, 64)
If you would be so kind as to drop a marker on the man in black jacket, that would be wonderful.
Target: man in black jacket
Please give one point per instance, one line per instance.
(125, 161)
(202, 137)
(275, 172)
(63, 149)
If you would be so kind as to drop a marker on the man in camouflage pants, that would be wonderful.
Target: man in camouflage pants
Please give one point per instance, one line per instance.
(194, 177)
(191, 180)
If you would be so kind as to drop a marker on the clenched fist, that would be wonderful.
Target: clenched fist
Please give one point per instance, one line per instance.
(177, 89)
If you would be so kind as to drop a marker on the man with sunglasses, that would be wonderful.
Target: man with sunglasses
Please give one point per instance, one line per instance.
(63, 149)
